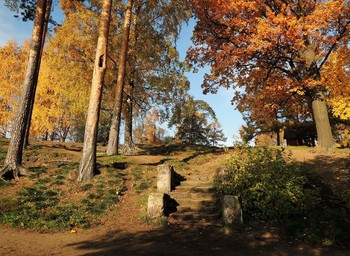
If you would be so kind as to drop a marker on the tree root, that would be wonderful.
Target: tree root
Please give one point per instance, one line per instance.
(16, 171)
(131, 150)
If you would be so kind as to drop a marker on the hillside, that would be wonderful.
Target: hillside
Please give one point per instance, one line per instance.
(108, 215)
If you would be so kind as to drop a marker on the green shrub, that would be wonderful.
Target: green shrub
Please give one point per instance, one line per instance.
(276, 191)
(267, 184)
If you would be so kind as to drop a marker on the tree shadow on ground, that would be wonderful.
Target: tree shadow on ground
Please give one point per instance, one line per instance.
(178, 148)
(334, 172)
(204, 242)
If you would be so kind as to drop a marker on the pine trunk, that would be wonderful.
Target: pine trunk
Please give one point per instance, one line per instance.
(88, 160)
(324, 133)
(127, 113)
(113, 140)
(13, 161)
(36, 77)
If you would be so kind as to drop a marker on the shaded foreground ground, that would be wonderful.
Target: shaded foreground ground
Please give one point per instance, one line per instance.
(124, 233)
(153, 242)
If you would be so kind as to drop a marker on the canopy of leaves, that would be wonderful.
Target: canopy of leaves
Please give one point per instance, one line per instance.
(273, 51)
(12, 69)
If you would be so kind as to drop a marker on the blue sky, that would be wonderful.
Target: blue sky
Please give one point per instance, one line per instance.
(13, 29)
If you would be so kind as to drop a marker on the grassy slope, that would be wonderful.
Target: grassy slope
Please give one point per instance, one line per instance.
(50, 199)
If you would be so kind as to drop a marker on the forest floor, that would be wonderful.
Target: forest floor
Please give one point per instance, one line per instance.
(124, 231)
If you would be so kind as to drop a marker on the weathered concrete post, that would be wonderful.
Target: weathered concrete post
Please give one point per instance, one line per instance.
(231, 210)
(164, 178)
(156, 205)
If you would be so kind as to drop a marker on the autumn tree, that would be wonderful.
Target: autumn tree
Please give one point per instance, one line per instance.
(52, 117)
(289, 39)
(271, 108)
(13, 161)
(12, 68)
(336, 77)
(151, 127)
(88, 160)
(68, 60)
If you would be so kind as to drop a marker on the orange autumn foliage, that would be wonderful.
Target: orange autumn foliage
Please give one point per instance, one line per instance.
(279, 48)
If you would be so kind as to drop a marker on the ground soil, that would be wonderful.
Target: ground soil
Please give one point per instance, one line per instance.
(123, 232)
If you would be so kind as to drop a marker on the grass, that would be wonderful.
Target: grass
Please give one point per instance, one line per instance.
(50, 198)
(42, 206)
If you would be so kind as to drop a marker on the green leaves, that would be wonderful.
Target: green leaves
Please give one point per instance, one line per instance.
(275, 191)
(268, 184)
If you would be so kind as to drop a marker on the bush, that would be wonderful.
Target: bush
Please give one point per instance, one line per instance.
(276, 191)
(267, 184)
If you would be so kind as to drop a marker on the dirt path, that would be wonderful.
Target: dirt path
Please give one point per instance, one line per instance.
(154, 241)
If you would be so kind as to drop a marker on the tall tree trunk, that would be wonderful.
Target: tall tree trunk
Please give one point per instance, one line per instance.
(13, 161)
(278, 131)
(36, 77)
(127, 113)
(88, 160)
(113, 140)
(324, 132)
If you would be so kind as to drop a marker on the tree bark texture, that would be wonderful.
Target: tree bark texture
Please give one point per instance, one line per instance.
(36, 77)
(113, 140)
(13, 161)
(127, 113)
(324, 133)
(88, 160)
(278, 133)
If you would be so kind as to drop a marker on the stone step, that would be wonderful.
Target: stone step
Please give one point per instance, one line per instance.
(195, 216)
(198, 205)
(192, 195)
(196, 224)
(190, 189)
(197, 202)
(197, 181)
(198, 208)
